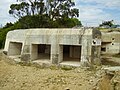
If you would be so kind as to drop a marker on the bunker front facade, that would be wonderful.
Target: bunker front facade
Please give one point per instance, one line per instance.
(54, 45)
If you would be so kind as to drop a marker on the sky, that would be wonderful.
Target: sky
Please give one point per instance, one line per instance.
(91, 12)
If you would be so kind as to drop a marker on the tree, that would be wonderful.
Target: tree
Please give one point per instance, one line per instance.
(57, 8)
(27, 7)
(62, 9)
(8, 25)
(38, 14)
(107, 23)
(19, 10)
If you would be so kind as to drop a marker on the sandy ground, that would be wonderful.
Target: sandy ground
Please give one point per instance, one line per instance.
(17, 77)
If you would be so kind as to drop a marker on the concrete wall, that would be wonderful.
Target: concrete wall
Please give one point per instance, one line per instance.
(15, 36)
(111, 42)
(56, 38)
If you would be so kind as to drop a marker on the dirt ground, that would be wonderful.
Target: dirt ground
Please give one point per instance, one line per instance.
(19, 77)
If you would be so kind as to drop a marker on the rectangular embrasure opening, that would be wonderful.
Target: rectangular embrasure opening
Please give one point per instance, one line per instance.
(41, 51)
(70, 55)
(15, 48)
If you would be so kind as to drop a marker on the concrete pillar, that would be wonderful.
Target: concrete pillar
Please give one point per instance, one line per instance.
(86, 51)
(54, 48)
(96, 55)
(60, 59)
(54, 53)
(26, 54)
(34, 51)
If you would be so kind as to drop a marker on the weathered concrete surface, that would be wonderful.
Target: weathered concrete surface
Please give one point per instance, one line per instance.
(110, 42)
(112, 69)
(27, 42)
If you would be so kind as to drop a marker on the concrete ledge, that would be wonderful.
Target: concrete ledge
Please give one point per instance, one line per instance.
(115, 68)
(70, 63)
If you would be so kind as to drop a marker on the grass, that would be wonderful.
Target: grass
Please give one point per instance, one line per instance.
(109, 29)
(30, 64)
(24, 63)
(54, 67)
(105, 61)
(67, 68)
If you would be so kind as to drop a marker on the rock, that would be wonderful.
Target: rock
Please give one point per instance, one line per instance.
(67, 88)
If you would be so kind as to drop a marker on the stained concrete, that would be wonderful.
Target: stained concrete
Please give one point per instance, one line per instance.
(84, 44)
(110, 42)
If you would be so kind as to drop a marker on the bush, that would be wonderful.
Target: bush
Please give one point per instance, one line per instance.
(37, 21)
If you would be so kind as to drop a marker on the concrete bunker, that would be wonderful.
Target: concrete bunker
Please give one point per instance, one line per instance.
(55, 46)
(41, 51)
(110, 42)
(15, 48)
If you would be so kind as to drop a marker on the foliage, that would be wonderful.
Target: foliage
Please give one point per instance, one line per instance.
(53, 8)
(3, 33)
(39, 14)
(8, 25)
(37, 21)
(62, 9)
(107, 23)
(117, 55)
(43, 21)
(27, 7)
(67, 68)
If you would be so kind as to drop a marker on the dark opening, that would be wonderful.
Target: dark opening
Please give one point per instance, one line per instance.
(41, 48)
(66, 50)
(113, 38)
(71, 53)
(105, 43)
(41, 52)
(103, 49)
(44, 51)
(94, 42)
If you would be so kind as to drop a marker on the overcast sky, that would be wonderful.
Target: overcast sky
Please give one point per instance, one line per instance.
(92, 12)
